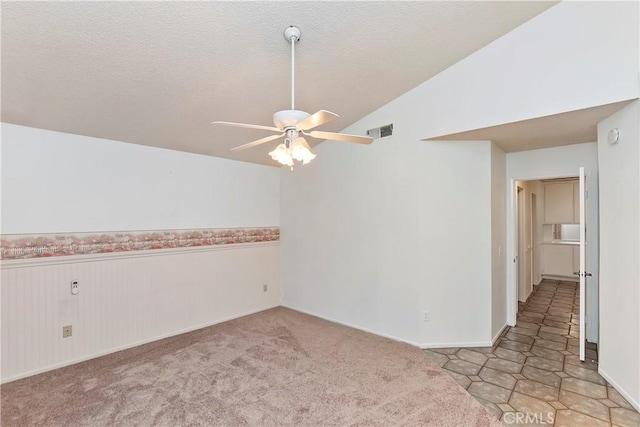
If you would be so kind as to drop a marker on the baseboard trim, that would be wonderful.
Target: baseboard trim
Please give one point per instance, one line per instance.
(351, 325)
(560, 278)
(620, 390)
(226, 319)
(495, 338)
(455, 344)
(128, 346)
(422, 346)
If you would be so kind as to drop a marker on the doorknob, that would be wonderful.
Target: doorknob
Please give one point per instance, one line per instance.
(577, 273)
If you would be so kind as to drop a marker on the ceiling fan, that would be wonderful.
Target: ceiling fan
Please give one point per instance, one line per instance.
(292, 124)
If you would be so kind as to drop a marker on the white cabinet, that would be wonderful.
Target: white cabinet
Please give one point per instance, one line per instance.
(560, 259)
(561, 202)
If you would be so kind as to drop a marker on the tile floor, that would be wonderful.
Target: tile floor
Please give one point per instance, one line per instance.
(534, 368)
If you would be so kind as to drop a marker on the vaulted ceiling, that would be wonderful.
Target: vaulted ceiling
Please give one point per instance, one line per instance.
(158, 73)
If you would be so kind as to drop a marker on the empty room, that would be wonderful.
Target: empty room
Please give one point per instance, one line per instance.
(320, 213)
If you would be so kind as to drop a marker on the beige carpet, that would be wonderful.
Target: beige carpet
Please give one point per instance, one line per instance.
(277, 367)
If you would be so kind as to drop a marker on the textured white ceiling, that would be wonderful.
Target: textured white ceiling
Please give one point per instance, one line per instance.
(157, 73)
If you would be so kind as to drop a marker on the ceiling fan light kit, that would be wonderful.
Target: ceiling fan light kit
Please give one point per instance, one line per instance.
(292, 124)
(293, 148)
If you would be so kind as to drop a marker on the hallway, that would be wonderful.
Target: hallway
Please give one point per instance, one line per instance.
(534, 368)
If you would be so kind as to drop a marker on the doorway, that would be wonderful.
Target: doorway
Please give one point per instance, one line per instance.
(546, 215)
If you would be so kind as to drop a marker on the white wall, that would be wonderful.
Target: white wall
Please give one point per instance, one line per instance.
(498, 242)
(550, 64)
(373, 235)
(619, 349)
(558, 162)
(366, 231)
(54, 182)
(59, 182)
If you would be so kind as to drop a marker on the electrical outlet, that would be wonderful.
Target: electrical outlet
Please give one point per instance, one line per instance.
(74, 287)
(264, 288)
(67, 331)
(425, 316)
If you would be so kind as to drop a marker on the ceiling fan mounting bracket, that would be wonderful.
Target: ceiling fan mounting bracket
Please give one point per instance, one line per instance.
(292, 32)
(289, 118)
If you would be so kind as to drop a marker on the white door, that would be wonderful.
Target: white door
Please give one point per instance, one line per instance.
(583, 265)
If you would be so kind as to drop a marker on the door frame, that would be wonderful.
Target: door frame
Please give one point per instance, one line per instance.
(582, 269)
(519, 236)
(512, 244)
(533, 231)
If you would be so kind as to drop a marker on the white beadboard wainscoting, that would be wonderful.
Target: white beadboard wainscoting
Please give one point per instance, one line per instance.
(126, 299)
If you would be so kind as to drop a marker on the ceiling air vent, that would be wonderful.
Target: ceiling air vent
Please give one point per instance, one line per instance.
(381, 132)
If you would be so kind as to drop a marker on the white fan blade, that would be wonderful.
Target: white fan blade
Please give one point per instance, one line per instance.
(244, 125)
(316, 119)
(258, 142)
(339, 137)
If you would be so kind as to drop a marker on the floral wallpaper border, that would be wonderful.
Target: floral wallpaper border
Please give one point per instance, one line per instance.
(21, 246)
